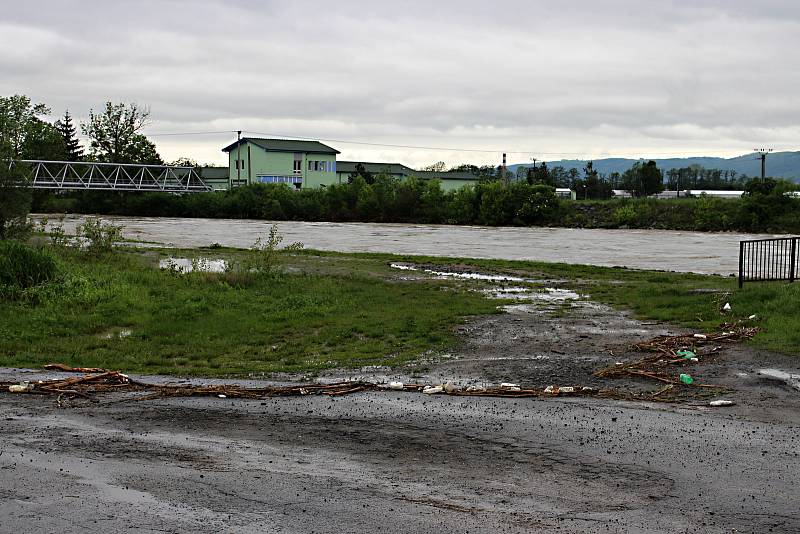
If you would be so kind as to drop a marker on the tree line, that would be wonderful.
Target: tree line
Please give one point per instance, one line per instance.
(113, 132)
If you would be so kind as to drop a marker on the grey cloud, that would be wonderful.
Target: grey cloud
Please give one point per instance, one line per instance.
(664, 74)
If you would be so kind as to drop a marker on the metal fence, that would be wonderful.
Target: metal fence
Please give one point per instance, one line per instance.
(761, 260)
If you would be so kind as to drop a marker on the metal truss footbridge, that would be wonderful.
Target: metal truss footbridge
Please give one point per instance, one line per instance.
(80, 175)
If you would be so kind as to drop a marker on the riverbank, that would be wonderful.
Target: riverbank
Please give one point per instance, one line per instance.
(328, 310)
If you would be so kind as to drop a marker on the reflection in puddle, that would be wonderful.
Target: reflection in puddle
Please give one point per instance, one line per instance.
(465, 276)
(549, 294)
(187, 265)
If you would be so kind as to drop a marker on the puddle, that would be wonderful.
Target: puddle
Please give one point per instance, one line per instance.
(515, 293)
(463, 276)
(549, 294)
(187, 265)
(791, 380)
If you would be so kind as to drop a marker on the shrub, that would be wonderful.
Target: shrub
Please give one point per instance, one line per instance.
(625, 215)
(100, 237)
(22, 267)
(263, 257)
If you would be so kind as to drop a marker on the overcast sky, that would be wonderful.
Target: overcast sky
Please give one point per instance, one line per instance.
(571, 79)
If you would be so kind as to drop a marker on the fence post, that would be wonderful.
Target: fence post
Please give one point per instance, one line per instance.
(741, 264)
(793, 260)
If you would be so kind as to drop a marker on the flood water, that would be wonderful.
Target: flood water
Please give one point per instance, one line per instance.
(699, 252)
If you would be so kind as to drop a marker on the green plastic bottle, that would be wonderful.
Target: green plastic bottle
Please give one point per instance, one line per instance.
(686, 379)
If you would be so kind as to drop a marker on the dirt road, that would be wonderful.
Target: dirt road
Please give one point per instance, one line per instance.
(393, 463)
(401, 462)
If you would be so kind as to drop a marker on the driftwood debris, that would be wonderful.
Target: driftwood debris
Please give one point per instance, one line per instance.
(92, 385)
(676, 351)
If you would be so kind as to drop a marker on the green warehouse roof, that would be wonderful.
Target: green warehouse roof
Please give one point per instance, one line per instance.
(429, 175)
(374, 168)
(285, 145)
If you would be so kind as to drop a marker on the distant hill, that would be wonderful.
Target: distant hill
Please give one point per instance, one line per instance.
(779, 164)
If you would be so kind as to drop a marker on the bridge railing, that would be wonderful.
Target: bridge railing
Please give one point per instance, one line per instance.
(762, 260)
(111, 176)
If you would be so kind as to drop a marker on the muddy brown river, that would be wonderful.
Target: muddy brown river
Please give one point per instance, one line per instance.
(700, 252)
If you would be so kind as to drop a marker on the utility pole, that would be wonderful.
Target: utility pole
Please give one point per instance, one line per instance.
(528, 174)
(238, 158)
(503, 170)
(762, 153)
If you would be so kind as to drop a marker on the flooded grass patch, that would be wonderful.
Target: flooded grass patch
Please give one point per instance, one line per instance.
(219, 323)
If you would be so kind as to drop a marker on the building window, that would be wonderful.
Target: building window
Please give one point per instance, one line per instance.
(272, 179)
(321, 166)
(298, 163)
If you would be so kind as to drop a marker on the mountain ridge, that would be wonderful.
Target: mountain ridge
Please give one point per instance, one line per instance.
(779, 164)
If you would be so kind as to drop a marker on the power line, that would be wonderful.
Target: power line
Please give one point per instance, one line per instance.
(191, 133)
(582, 154)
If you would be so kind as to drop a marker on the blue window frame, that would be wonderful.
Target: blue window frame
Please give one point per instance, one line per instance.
(270, 179)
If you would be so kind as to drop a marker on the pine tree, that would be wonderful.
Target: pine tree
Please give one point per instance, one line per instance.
(74, 150)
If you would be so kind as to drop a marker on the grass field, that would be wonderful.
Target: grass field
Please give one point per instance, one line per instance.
(327, 310)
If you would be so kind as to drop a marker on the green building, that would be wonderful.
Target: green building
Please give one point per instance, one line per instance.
(344, 169)
(307, 164)
(450, 180)
(398, 171)
(301, 164)
(217, 178)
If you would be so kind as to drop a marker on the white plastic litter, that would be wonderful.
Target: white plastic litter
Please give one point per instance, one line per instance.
(23, 387)
(551, 389)
(396, 385)
(509, 385)
(432, 390)
(727, 307)
(721, 403)
(700, 336)
(752, 317)
(566, 389)
(221, 396)
(450, 388)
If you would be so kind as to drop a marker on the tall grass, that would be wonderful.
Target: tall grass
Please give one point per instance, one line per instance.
(22, 267)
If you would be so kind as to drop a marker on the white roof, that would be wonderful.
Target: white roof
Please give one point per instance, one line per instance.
(715, 192)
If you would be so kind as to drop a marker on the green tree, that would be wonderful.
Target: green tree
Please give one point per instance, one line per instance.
(540, 175)
(439, 166)
(361, 171)
(73, 151)
(23, 135)
(184, 162)
(15, 200)
(593, 185)
(643, 179)
(115, 135)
